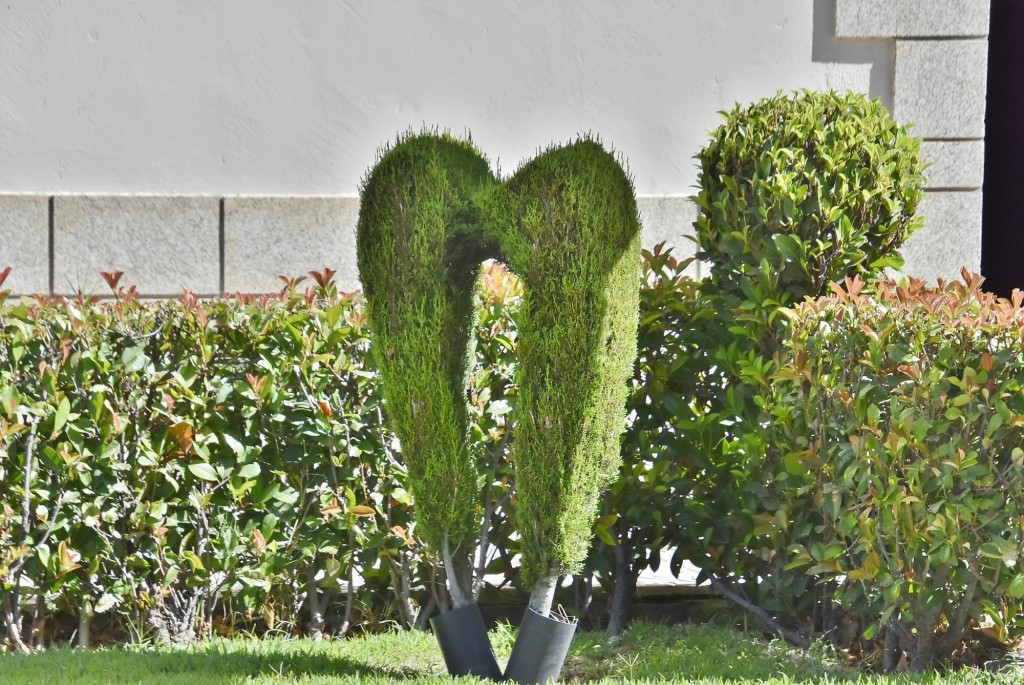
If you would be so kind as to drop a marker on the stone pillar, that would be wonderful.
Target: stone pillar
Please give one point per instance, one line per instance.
(941, 63)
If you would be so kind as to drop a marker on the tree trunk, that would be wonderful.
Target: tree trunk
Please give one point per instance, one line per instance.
(583, 597)
(84, 623)
(924, 654)
(793, 637)
(623, 588)
(543, 594)
(314, 604)
(401, 586)
(12, 620)
(350, 599)
(891, 652)
(423, 616)
(459, 571)
(38, 635)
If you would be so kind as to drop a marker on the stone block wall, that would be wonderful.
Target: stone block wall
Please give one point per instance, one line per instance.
(209, 245)
(926, 60)
(940, 81)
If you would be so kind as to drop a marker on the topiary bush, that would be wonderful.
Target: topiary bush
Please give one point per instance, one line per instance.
(571, 232)
(800, 191)
(566, 223)
(419, 255)
(796, 191)
(899, 424)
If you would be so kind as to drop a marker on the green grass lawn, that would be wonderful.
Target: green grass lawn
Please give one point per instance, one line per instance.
(645, 653)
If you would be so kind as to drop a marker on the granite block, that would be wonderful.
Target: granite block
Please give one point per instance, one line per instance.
(911, 18)
(265, 237)
(162, 243)
(954, 163)
(940, 87)
(25, 243)
(950, 238)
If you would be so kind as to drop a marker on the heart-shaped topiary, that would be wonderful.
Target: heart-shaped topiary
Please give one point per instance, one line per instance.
(566, 223)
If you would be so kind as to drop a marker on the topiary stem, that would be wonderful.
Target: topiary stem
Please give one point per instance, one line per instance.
(459, 572)
(543, 594)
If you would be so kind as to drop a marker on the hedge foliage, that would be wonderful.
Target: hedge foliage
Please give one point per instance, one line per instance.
(898, 417)
(172, 461)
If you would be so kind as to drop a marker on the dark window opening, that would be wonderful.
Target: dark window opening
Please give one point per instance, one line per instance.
(1002, 234)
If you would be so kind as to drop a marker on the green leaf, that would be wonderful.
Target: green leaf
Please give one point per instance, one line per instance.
(134, 358)
(793, 464)
(194, 561)
(1016, 588)
(333, 314)
(249, 470)
(61, 417)
(499, 407)
(870, 631)
(203, 471)
(233, 443)
(606, 538)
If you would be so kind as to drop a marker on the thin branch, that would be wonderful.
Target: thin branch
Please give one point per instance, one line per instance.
(958, 621)
(770, 624)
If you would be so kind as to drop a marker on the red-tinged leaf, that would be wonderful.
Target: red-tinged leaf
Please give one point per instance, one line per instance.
(188, 299)
(355, 320)
(112, 278)
(362, 511)
(323, 278)
(67, 557)
(911, 371)
(290, 283)
(183, 435)
(331, 509)
(4, 274)
(258, 541)
(325, 409)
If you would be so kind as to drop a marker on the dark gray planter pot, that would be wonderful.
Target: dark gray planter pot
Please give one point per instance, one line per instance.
(463, 638)
(540, 650)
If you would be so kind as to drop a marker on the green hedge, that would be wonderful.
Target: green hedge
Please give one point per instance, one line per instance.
(172, 461)
(898, 417)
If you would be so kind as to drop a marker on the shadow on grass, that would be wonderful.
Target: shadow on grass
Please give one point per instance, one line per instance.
(222, 662)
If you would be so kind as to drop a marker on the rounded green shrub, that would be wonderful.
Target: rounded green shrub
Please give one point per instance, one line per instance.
(799, 191)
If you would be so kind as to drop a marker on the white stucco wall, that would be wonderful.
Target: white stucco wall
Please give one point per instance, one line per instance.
(212, 145)
(274, 97)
